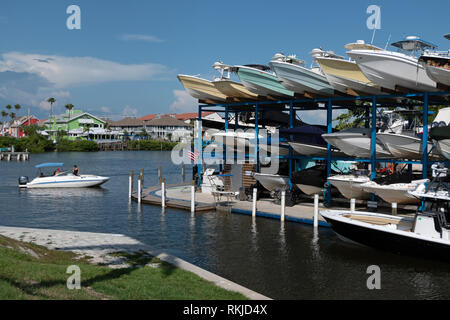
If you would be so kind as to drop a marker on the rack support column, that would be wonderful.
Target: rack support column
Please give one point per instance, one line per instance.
(291, 125)
(425, 137)
(329, 130)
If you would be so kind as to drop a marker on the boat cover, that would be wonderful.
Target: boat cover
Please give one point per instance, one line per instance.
(305, 134)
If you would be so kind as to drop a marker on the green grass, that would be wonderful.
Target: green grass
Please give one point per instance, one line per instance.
(24, 276)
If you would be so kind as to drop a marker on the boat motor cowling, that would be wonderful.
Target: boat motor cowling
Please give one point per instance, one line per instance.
(23, 180)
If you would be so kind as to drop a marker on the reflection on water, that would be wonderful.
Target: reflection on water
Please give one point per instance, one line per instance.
(281, 260)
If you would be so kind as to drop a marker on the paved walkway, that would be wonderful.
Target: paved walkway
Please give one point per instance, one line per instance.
(98, 246)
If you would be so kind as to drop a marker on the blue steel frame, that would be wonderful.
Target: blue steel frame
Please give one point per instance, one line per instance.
(333, 103)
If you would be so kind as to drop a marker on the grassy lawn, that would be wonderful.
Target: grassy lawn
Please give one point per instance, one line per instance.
(29, 271)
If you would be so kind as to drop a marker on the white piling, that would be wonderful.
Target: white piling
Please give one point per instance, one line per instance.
(283, 203)
(255, 195)
(193, 197)
(139, 190)
(163, 193)
(130, 184)
(394, 208)
(352, 205)
(316, 210)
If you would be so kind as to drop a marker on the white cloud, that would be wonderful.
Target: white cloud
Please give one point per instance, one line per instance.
(183, 102)
(140, 37)
(129, 111)
(63, 72)
(105, 109)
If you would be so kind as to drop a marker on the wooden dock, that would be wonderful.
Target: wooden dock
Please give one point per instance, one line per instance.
(18, 156)
(149, 197)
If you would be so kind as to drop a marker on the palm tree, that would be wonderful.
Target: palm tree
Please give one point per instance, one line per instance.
(8, 107)
(69, 107)
(12, 115)
(4, 115)
(51, 101)
(17, 107)
(87, 129)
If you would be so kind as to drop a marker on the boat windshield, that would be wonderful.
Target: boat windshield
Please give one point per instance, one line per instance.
(413, 46)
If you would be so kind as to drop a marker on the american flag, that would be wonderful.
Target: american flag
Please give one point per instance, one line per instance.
(193, 155)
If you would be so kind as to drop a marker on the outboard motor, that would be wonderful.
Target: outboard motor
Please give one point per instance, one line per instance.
(23, 180)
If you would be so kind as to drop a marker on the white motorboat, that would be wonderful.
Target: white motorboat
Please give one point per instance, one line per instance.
(272, 182)
(441, 139)
(296, 77)
(310, 150)
(408, 145)
(394, 193)
(391, 70)
(437, 65)
(61, 179)
(349, 185)
(356, 142)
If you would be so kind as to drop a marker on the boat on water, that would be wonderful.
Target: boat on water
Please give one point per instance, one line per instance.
(272, 182)
(441, 139)
(345, 75)
(201, 89)
(296, 77)
(408, 143)
(427, 234)
(230, 88)
(261, 80)
(437, 65)
(61, 179)
(389, 69)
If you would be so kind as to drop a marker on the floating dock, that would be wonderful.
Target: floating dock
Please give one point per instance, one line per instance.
(18, 156)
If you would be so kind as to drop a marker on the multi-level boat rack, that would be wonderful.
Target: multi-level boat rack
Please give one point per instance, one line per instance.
(370, 103)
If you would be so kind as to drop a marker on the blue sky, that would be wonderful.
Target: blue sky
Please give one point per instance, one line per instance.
(125, 58)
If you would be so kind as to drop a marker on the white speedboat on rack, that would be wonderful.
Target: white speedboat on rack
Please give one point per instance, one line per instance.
(392, 70)
(408, 144)
(394, 193)
(349, 185)
(272, 182)
(61, 179)
(296, 77)
(437, 65)
(441, 139)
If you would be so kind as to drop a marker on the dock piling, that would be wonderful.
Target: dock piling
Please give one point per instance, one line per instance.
(130, 185)
(193, 196)
(139, 191)
(255, 192)
(160, 174)
(183, 172)
(352, 205)
(163, 193)
(316, 211)
(394, 208)
(283, 204)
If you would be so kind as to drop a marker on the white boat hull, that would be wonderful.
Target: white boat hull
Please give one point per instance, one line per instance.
(309, 190)
(389, 69)
(404, 146)
(272, 181)
(310, 150)
(341, 84)
(83, 181)
(443, 147)
(393, 193)
(439, 75)
(355, 144)
(350, 186)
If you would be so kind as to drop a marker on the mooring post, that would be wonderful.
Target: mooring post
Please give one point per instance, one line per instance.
(130, 184)
(255, 195)
(316, 210)
(283, 203)
(139, 190)
(394, 208)
(352, 205)
(193, 196)
(183, 172)
(163, 193)
(142, 178)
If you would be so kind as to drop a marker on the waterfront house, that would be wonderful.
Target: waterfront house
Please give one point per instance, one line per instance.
(168, 128)
(75, 125)
(15, 129)
(131, 127)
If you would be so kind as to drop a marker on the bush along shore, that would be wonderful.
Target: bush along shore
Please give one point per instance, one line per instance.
(30, 271)
(151, 145)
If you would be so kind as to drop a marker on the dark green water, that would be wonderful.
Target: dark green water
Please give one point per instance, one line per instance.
(282, 261)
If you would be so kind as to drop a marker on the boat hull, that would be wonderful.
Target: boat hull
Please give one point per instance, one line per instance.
(389, 70)
(394, 193)
(396, 241)
(404, 146)
(438, 74)
(262, 83)
(310, 150)
(234, 90)
(356, 144)
(201, 89)
(309, 189)
(350, 187)
(443, 147)
(272, 182)
(83, 181)
(300, 79)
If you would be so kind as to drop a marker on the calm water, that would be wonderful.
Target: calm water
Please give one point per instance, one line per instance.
(282, 261)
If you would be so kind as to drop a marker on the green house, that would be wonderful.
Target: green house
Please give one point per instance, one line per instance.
(75, 125)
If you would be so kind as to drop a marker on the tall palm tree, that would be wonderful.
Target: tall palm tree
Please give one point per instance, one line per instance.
(4, 115)
(8, 107)
(51, 101)
(17, 107)
(12, 115)
(69, 107)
